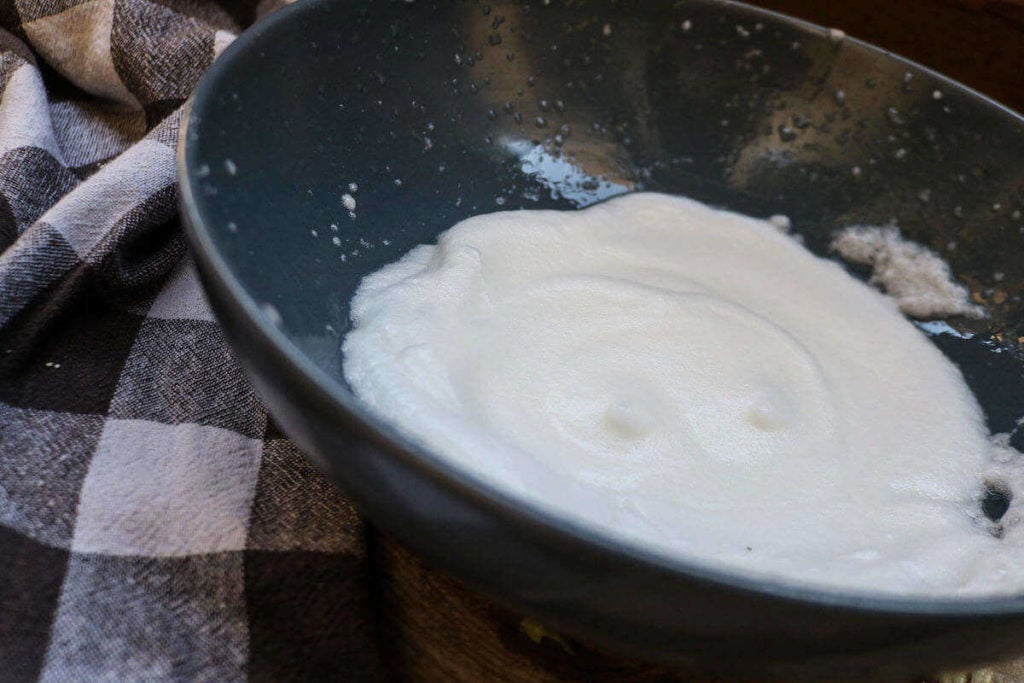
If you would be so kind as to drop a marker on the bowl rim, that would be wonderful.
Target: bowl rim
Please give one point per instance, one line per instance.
(522, 513)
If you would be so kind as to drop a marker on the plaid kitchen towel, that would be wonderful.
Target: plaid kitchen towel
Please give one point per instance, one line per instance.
(153, 524)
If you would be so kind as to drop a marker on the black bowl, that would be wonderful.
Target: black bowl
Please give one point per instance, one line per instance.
(442, 110)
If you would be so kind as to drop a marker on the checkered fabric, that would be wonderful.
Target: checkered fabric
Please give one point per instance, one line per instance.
(153, 524)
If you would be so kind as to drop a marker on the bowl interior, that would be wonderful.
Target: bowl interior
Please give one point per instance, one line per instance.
(427, 113)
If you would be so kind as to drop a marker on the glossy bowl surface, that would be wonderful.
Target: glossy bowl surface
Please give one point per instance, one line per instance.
(430, 112)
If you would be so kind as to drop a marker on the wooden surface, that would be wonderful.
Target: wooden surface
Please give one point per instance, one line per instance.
(977, 42)
(438, 631)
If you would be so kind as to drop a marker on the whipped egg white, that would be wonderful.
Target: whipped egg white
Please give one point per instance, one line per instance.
(690, 381)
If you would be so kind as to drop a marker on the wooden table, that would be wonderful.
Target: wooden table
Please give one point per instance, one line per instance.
(438, 631)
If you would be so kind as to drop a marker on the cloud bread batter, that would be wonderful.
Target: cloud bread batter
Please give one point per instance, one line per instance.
(691, 381)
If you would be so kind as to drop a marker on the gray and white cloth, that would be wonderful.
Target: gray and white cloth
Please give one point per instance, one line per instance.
(153, 523)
